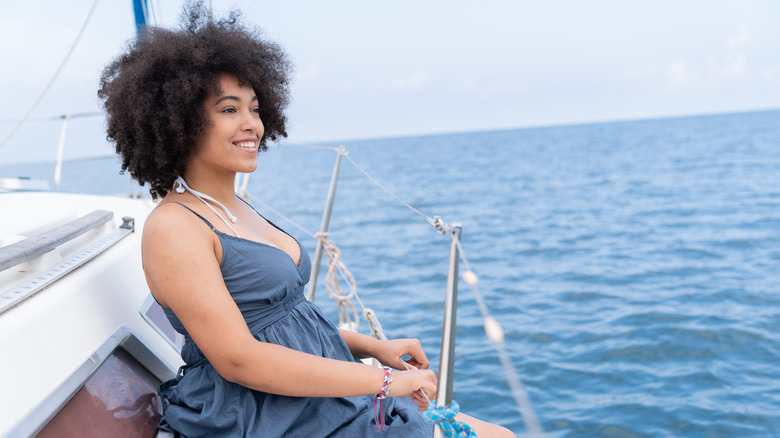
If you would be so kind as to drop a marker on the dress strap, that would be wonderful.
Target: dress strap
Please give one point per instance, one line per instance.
(198, 215)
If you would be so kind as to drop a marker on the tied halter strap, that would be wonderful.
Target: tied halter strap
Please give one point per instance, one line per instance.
(180, 186)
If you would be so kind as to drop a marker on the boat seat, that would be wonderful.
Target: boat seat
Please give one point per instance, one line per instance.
(119, 398)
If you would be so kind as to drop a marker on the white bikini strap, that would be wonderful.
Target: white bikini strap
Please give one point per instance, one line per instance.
(180, 186)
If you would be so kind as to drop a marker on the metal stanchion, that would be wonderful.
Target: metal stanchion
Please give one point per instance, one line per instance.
(334, 179)
(447, 358)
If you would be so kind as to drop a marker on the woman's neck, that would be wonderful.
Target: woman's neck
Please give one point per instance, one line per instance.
(219, 187)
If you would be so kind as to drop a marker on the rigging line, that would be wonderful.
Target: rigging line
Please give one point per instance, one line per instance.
(56, 73)
(69, 160)
(153, 12)
(150, 16)
(278, 213)
(307, 146)
(78, 115)
(435, 222)
(421, 390)
(145, 9)
(430, 220)
(60, 117)
(495, 334)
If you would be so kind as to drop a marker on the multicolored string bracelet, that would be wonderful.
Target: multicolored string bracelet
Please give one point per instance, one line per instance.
(380, 400)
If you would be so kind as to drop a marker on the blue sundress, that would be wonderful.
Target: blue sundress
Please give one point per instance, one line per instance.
(267, 286)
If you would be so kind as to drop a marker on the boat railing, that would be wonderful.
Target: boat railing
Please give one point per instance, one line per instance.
(447, 355)
(61, 146)
(326, 212)
(493, 329)
(34, 246)
(22, 183)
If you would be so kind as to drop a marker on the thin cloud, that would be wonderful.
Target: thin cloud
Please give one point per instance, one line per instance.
(741, 39)
(732, 66)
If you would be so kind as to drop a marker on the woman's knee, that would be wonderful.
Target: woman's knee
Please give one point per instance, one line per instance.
(484, 429)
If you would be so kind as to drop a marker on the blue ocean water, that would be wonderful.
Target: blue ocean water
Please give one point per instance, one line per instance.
(633, 265)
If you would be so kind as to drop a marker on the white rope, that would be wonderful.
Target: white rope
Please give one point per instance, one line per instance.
(347, 312)
(373, 323)
(56, 73)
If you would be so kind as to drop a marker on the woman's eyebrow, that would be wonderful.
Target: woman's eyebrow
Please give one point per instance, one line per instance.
(237, 99)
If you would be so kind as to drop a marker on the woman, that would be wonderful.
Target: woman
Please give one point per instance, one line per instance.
(187, 110)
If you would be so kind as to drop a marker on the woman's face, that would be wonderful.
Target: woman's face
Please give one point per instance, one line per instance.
(231, 140)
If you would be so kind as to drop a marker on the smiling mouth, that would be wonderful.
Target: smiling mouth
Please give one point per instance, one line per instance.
(246, 144)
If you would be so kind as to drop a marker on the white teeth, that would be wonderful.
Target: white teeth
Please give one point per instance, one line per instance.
(246, 144)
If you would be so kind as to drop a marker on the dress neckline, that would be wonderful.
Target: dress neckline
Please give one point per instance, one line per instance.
(300, 247)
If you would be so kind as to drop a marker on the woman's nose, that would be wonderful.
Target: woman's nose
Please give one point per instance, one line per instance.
(250, 122)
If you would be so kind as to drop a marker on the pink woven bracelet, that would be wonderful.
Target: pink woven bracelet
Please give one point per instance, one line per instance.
(386, 386)
(380, 419)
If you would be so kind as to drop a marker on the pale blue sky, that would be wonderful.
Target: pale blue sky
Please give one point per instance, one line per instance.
(369, 69)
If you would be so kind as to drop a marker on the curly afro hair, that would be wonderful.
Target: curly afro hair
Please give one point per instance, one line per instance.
(154, 92)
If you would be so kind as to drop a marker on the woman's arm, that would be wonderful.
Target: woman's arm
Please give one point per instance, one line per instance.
(180, 260)
(360, 345)
(389, 352)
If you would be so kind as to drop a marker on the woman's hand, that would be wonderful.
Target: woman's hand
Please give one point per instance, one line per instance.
(390, 353)
(417, 379)
(412, 377)
(412, 383)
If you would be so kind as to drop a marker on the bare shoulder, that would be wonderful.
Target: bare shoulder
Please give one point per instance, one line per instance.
(172, 222)
(180, 254)
(173, 235)
(167, 215)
